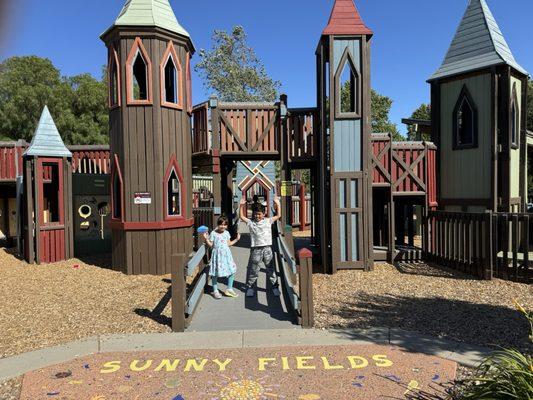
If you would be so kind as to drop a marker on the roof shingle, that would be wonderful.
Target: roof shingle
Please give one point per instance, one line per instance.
(46, 141)
(345, 20)
(478, 44)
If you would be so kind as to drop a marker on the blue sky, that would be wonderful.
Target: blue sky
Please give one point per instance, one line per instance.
(410, 38)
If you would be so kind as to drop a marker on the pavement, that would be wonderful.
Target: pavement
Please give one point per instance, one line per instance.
(264, 311)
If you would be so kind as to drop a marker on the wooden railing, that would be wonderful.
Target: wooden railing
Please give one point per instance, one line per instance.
(235, 128)
(188, 286)
(303, 130)
(406, 167)
(246, 128)
(485, 245)
(90, 159)
(296, 276)
(511, 246)
(301, 213)
(460, 240)
(11, 160)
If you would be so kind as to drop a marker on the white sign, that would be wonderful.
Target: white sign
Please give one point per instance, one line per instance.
(142, 198)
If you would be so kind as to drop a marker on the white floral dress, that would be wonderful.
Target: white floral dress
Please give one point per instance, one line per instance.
(222, 264)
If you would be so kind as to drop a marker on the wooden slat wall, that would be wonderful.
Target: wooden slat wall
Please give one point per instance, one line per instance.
(9, 157)
(200, 115)
(248, 129)
(145, 138)
(302, 128)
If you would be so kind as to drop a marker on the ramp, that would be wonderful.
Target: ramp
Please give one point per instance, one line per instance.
(265, 311)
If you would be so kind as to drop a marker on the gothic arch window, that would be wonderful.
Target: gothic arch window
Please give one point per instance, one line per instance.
(465, 135)
(515, 120)
(113, 71)
(347, 88)
(173, 191)
(171, 79)
(139, 75)
(117, 192)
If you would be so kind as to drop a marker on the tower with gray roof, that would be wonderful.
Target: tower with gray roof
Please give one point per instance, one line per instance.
(150, 98)
(47, 204)
(478, 98)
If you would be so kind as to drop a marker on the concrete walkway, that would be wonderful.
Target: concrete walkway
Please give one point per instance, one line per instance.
(264, 311)
(461, 353)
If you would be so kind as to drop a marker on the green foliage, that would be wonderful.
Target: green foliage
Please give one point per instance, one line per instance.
(232, 70)
(78, 104)
(422, 112)
(380, 109)
(381, 122)
(505, 375)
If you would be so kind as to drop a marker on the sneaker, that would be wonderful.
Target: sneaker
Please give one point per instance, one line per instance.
(250, 292)
(216, 294)
(275, 291)
(231, 293)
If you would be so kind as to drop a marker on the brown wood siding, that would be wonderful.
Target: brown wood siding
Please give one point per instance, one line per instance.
(145, 138)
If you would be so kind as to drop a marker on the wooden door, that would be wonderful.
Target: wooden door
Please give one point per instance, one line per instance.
(50, 210)
(348, 221)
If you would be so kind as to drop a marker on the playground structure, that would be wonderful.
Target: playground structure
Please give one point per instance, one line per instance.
(469, 184)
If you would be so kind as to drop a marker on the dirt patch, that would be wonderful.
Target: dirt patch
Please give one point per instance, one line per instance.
(427, 299)
(47, 305)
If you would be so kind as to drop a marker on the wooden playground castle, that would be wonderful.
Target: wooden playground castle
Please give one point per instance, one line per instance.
(469, 183)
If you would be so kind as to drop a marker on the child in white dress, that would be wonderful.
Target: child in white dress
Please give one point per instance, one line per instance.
(222, 264)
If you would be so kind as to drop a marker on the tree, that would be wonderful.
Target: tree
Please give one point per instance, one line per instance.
(381, 122)
(380, 109)
(424, 113)
(78, 104)
(232, 70)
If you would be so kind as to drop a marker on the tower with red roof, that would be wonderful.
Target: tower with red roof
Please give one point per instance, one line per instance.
(343, 97)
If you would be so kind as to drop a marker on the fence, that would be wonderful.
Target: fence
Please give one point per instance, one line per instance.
(203, 216)
(511, 246)
(485, 245)
(188, 285)
(296, 276)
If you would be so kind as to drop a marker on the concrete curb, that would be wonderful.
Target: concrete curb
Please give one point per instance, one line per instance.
(464, 354)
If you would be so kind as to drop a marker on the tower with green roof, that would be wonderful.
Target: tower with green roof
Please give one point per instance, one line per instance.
(150, 99)
(478, 98)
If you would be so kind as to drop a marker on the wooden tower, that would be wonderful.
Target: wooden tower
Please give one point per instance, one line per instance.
(478, 99)
(47, 202)
(150, 136)
(343, 93)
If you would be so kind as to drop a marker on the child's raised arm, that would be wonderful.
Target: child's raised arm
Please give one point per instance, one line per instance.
(231, 243)
(242, 212)
(277, 205)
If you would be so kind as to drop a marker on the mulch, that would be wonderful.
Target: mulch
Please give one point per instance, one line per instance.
(47, 305)
(428, 299)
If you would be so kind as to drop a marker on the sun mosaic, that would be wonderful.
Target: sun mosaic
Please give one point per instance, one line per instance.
(244, 388)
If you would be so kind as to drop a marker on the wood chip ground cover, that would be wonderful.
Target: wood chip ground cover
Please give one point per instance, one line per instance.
(429, 299)
(47, 305)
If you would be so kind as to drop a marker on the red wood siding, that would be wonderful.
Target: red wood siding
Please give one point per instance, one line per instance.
(52, 245)
(409, 167)
(9, 157)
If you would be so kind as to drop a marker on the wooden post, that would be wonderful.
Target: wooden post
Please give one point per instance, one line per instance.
(303, 208)
(305, 260)
(488, 270)
(178, 292)
(286, 203)
(217, 183)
